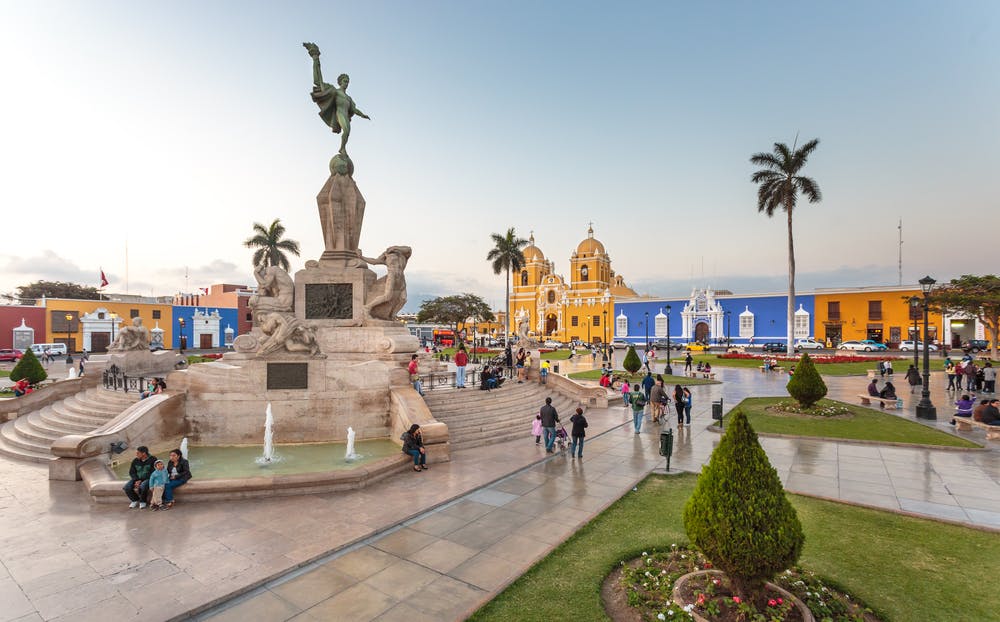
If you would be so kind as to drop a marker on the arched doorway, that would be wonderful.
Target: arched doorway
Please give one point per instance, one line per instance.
(701, 332)
(551, 324)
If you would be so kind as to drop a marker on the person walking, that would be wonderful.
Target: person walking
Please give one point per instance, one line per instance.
(578, 433)
(638, 400)
(625, 392)
(519, 364)
(543, 371)
(687, 406)
(647, 384)
(657, 399)
(687, 362)
(949, 368)
(888, 368)
(989, 378)
(461, 361)
(549, 420)
(679, 404)
(913, 377)
(970, 371)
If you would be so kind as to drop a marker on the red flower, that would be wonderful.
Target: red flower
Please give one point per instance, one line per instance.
(701, 599)
(780, 601)
(772, 603)
(708, 564)
(736, 599)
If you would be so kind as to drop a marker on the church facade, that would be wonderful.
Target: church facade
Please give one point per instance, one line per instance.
(575, 309)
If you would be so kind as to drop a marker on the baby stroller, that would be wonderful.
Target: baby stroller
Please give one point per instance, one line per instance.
(562, 437)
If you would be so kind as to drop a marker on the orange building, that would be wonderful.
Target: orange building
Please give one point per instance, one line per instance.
(883, 314)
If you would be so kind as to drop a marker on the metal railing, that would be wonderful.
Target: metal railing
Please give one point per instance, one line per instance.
(115, 379)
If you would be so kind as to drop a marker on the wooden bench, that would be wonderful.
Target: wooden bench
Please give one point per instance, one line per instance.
(872, 373)
(866, 400)
(965, 424)
(695, 374)
(773, 368)
(710, 375)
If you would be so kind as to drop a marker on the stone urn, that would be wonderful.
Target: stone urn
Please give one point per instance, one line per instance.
(680, 584)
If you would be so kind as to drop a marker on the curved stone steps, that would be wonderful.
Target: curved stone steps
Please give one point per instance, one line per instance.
(30, 437)
(492, 420)
(458, 400)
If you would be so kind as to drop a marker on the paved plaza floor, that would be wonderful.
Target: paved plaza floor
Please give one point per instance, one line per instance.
(456, 534)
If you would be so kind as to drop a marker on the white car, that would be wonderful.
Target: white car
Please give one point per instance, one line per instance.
(552, 343)
(808, 344)
(620, 343)
(907, 345)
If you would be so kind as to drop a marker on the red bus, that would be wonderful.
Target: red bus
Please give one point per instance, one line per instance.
(444, 337)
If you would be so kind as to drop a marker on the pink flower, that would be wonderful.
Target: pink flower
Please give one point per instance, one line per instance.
(701, 599)
(716, 581)
(780, 601)
(772, 603)
(736, 599)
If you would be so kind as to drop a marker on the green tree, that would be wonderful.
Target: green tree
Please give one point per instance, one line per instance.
(975, 296)
(779, 186)
(506, 256)
(739, 515)
(56, 289)
(631, 364)
(454, 310)
(271, 248)
(806, 385)
(28, 367)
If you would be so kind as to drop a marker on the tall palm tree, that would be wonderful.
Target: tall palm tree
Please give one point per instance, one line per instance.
(270, 247)
(507, 255)
(779, 187)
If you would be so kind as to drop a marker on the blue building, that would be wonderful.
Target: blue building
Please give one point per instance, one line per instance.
(710, 317)
(204, 328)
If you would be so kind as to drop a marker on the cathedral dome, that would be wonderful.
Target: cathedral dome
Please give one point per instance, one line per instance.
(532, 252)
(590, 246)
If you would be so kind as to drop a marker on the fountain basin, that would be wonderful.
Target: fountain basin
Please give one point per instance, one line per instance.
(240, 461)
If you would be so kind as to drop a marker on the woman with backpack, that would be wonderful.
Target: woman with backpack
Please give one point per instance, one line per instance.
(913, 377)
(638, 400)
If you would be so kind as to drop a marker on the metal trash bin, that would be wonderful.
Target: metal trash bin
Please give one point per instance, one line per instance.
(717, 411)
(555, 368)
(667, 445)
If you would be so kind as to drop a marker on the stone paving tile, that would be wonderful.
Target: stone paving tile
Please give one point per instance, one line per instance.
(15, 601)
(363, 562)
(359, 603)
(937, 510)
(403, 542)
(438, 524)
(310, 588)
(405, 612)
(487, 572)
(443, 555)
(401, 580)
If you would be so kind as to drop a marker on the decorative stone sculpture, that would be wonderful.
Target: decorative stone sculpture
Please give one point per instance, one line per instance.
(275, 291)
(134, 337)
(335, 106)
(283, 331)
(388, 294)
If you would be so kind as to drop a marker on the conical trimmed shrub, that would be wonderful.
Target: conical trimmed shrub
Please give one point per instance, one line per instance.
(28, 367)
(739, 515)
(806, 385)
(631, 364)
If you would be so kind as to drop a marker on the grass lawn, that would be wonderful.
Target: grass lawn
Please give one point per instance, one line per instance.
(864, 424)
(826, 369)
(905, 568)
(595, 374)
(4, 373)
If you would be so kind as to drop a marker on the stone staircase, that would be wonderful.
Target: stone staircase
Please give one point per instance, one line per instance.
(29, 437)
(477, 418)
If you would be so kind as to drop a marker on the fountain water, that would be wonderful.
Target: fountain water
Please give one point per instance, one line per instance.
(184, 448)
(350, 454)
(268, 437)
(71, 374)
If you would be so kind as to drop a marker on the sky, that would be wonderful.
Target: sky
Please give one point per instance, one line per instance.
(161, 132)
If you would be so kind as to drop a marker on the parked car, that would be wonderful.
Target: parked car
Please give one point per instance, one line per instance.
(661, 344)
(775, 346)
(55, 349)
(620, 343)
(976, 345)
(874, 345)
(808, 344)
(694, 346)
(10, 355)
(907, 346)
(552, 343)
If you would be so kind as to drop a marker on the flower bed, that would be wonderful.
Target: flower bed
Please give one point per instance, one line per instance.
(647, 586)
(818, 359)
(828, 408)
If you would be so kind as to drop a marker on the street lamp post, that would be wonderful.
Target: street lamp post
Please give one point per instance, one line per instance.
(729, 317)
(604, 346)
(182, 339)
(668, 370)
(69, 350)
(114, 321)
(587, 322)
(647, 328)
(925, 409)
(915, 303)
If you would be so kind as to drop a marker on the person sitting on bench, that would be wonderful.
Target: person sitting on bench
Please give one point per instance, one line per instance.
(887, 393)
(963, 408)
(873, 388)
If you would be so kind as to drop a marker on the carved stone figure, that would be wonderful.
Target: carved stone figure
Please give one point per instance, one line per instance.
(388, 294)
(134, 337)
(283, 331)
(275, 291)
(523, 326)
(335, 106)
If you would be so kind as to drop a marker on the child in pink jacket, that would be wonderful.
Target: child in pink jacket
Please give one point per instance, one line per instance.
(536, 428)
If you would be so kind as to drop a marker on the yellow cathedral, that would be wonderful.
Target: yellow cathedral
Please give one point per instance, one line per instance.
(579, 309)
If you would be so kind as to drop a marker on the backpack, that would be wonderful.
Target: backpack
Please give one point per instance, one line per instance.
(640, 400)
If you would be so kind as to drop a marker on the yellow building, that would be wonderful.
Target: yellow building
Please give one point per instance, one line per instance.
(879, 313)
(94, 324)
(578, 309)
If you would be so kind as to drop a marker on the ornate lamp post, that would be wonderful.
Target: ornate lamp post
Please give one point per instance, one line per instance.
(915, 303)
(604, 346)
(647, 328)
(925, 409)
(587, 322)
(668, 370)
(182, 339)
(114, 321)
(69, 349)
(729, 317)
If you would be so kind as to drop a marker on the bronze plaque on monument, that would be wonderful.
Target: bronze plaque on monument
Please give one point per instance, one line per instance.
(287, 376)
(329, 301)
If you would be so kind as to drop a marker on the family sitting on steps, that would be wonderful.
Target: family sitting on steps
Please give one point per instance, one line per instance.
(155, 480)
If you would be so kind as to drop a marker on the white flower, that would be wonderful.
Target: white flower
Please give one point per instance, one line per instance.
(670, 612)
(660, 616)
(688, 608)
(644, 553)
(684, 556)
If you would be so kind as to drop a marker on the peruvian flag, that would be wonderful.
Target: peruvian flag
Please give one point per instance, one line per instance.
(104, 279)
(203, 290)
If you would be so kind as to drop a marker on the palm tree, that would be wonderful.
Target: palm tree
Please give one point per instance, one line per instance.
(270, 247)
(779, 188)
(507, 255)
